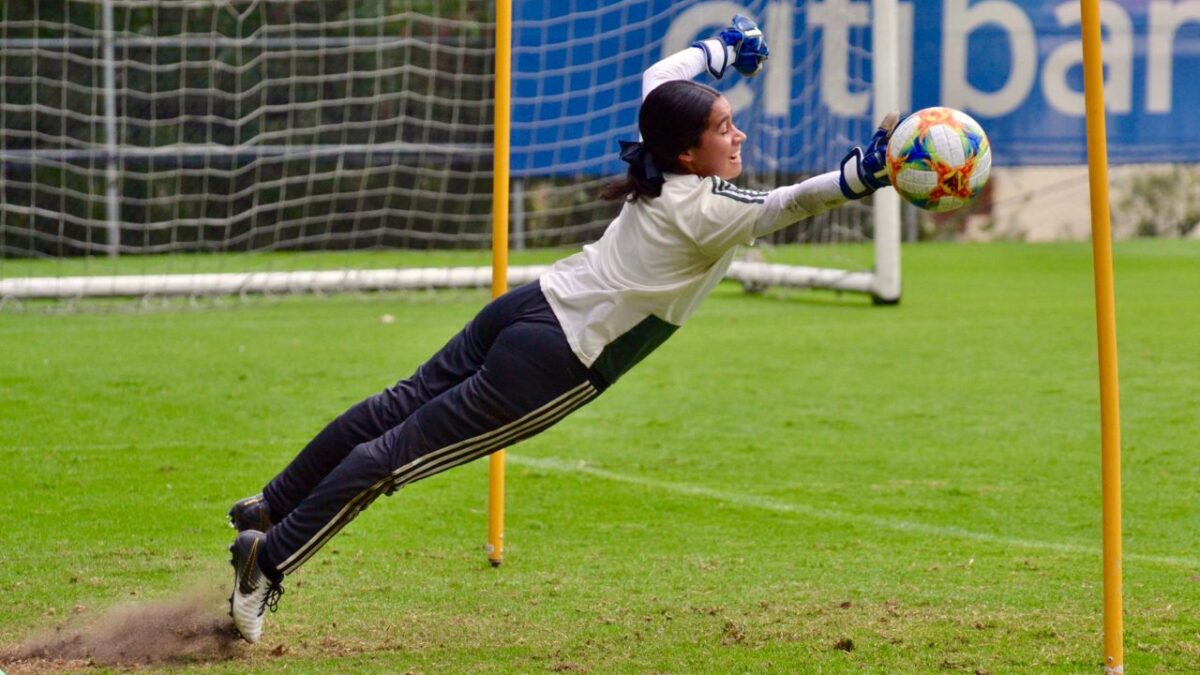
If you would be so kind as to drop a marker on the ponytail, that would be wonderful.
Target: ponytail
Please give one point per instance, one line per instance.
(643, 178)
(671, 120)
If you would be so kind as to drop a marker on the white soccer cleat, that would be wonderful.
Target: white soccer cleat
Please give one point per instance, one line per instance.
(253, 592)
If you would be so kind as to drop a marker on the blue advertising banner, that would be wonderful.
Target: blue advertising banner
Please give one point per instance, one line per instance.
(1013, 65)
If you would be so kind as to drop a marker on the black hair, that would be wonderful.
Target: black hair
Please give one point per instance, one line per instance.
(671, 120)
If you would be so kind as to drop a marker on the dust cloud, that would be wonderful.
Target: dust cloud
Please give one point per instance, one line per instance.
(192, 627)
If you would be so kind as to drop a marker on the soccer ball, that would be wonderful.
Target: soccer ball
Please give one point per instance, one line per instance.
(939, 159)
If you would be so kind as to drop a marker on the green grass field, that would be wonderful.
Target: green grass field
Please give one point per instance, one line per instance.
(796, 482)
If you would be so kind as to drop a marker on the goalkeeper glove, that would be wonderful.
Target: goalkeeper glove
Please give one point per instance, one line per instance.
(865, 171)
(740, 45)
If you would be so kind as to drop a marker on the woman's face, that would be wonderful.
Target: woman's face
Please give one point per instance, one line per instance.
(719, 152)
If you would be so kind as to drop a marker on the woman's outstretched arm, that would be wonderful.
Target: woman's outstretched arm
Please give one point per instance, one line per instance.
(862, 172)
(683, 65)
(739, 46)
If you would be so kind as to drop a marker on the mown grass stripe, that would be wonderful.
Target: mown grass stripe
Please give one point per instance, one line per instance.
(768, 504)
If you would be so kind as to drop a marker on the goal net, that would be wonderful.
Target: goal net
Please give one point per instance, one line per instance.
(191, 147)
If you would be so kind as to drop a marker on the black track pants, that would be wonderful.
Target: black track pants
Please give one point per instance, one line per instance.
(509, 374)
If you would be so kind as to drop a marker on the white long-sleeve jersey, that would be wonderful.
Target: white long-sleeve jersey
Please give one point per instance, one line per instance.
(622, 296)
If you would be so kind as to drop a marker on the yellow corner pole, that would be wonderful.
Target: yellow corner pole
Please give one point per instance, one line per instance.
(1106, 331)
(500, 150)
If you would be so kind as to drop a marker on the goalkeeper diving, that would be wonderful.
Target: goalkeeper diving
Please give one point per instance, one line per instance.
(534, 355)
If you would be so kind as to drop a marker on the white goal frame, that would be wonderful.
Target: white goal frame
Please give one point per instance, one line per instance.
(882, 282)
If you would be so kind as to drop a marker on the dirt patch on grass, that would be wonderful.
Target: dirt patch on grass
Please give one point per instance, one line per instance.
(193, 627)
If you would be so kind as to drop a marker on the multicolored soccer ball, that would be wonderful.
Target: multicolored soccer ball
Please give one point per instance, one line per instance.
(939, 159)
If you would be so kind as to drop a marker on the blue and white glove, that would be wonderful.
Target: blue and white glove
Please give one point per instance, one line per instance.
(741, 45)
(865, 171)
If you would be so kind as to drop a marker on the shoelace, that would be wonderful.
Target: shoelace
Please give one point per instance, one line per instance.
(274, 592)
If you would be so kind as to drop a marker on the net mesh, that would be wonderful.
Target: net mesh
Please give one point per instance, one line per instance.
(245, 127)
(578, 82)
(135, 133)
